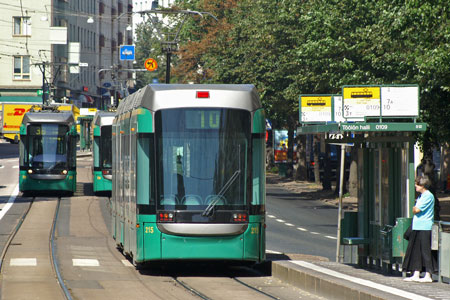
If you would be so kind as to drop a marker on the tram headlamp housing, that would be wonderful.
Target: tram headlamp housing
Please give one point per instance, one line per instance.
(30, 171)
(166, 217)
(64, 172)
(240, 217)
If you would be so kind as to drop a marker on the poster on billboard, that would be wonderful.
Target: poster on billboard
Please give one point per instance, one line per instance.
(280, 146)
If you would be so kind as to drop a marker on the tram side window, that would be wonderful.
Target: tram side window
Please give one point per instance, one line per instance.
(258, 170)
(105, 147)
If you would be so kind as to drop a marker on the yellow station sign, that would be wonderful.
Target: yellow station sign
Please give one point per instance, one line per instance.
(314, 103)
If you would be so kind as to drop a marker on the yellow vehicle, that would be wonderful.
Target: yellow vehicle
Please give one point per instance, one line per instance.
(11, 115)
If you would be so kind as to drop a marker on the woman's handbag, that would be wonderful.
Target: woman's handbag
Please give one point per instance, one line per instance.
(407, 233)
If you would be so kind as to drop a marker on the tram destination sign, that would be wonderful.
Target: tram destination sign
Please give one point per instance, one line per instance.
(380, 101)
(315, 108)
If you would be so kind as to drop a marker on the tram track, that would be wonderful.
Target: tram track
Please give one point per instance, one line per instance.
(235, 279)
(21, 237)
(13, 234)
(53, 256)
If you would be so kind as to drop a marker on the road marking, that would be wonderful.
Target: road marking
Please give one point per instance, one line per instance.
(289, 224)
(23, 262)
(1, 167)
(10, 202)
(381, 287)
(312, 232)
(331, 237)
(126, 263)
(15, 167)
(271, 216)
(85, 262)
(301, 229)
(12, 160)
(279, 220)
(273, 252)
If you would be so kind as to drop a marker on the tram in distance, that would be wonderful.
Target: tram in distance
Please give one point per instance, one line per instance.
(189, 174)
(101, 152)
(48, 139)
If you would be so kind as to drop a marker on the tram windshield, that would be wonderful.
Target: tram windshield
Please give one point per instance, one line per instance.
(105, 147)
(202, 158)
(47, 146)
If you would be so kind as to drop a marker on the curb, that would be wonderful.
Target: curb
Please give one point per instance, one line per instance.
(325, 286)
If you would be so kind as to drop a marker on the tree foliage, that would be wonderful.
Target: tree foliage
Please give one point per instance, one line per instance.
(287, 48)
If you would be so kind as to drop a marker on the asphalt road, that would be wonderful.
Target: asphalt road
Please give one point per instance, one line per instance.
(297, 224)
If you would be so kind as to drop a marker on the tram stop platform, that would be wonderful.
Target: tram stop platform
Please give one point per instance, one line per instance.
(333, 280)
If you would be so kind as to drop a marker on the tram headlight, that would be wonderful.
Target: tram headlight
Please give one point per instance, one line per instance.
(30, 171)
(64, 172)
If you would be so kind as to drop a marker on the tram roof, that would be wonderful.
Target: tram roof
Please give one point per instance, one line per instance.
(163, 96)
(64, 117)
(103, 118)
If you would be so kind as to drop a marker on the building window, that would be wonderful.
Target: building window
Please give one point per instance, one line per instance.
(21, 67)
(22, 25)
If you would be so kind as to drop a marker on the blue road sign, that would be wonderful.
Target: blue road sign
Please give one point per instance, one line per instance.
(127, 52)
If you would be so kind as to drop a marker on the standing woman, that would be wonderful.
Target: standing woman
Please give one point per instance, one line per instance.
(418, 255)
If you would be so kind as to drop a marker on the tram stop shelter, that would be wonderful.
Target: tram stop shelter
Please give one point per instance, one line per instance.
(384, 142)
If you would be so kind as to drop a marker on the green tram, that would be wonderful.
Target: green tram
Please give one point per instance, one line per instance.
(101, 152)
(48, 141)
(189, 174)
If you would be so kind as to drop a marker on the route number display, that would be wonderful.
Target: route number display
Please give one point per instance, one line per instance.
(400, 101)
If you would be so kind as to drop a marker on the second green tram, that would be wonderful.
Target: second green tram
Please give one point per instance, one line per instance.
(189, 173)
(48, 151)
(102, 152)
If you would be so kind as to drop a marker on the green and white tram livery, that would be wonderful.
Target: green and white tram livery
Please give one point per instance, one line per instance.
(102, 152)
(189, 173)
(48, 151)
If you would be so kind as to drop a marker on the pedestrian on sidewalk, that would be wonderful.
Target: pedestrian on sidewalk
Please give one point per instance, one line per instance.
(418, 257)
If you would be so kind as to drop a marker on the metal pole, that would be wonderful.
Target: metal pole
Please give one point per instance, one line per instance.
(341, 187)
(168, 67)
(43, 84)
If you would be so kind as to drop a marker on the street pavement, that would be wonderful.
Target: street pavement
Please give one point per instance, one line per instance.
(334, 280)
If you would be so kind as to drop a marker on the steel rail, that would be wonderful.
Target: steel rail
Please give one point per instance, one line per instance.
(53, 256)
(192, 290)
(13, 234)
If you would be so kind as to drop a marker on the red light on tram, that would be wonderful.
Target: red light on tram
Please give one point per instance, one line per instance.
(165, 217)
(202, 94)
(240, 217)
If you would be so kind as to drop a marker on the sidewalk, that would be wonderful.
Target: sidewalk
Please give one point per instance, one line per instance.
(345, 281)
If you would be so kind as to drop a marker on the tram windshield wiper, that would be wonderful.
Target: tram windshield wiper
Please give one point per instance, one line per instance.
(210, 209)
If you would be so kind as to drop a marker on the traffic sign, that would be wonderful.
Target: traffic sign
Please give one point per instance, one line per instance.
(127, 52)
(151, 64)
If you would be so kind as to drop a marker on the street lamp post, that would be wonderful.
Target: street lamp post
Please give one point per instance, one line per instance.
(170, 46)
